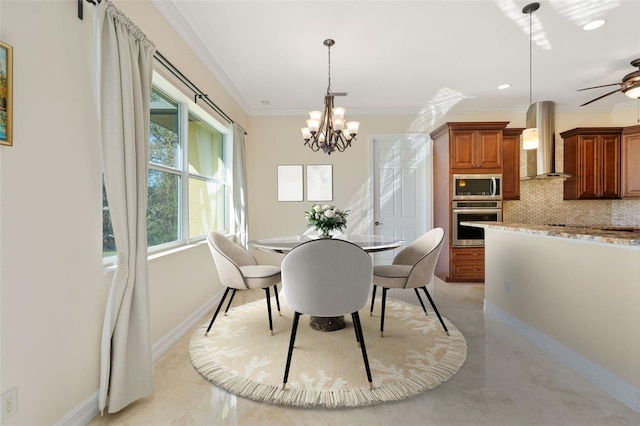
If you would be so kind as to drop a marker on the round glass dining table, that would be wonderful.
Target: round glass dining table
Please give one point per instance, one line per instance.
(369, 243)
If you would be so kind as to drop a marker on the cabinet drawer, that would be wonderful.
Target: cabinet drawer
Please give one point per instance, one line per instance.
(468, 269)
(475, 254)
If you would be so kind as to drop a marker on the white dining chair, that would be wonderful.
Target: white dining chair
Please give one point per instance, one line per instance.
(327, 278)
(239, 270)
(412, 268)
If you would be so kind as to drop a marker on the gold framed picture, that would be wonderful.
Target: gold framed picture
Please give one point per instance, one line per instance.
(6, 94)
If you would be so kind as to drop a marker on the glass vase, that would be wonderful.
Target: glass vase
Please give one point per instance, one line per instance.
(325, 233)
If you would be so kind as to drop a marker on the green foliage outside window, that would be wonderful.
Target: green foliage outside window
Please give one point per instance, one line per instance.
(206, 172)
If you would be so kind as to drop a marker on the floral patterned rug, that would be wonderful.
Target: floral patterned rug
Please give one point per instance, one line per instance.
(327, 369)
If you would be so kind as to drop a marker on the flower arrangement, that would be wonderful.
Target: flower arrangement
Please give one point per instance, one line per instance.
(326, 219)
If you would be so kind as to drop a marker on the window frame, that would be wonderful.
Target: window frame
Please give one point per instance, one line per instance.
(187, 106)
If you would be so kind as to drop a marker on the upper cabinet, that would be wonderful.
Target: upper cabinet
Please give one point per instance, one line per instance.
(476, 147)
(511, 164)
(631, 162)
(592, 158)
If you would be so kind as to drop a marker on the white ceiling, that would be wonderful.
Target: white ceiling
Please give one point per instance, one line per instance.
(404, 56)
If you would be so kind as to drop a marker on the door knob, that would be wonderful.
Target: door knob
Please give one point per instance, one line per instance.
(377, 223)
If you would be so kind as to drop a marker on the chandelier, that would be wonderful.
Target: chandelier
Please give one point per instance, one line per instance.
(328, 130)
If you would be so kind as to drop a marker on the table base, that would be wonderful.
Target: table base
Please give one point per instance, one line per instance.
(327, 323)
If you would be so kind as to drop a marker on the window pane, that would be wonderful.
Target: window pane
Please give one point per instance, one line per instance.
(164, 146)
(108, 242)
(205, 149)
(163, 210)
(206, 207)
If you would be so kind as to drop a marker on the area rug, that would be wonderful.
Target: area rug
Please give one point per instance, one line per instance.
(241, 356)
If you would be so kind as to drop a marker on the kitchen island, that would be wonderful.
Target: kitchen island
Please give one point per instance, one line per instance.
(574, 292)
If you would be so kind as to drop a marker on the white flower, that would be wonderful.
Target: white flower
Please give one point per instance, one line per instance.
(326, 207)
(330, 213)
(317, 208)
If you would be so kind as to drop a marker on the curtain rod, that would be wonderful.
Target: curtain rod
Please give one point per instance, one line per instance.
(198, 94)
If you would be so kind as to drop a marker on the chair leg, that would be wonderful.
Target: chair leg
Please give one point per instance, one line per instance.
(421, 303)
(269, 309)
(224, 296)
(275, 290)
(292, 340)
(373, 296)
(384, 305)
(233, 294)
(435, 309)
(360, 338)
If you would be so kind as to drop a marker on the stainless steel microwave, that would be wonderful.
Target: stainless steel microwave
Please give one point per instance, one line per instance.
(477, 187)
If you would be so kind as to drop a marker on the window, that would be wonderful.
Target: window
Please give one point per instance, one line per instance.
(188, 173)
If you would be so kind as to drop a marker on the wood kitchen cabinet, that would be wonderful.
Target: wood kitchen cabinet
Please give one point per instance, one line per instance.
(511, 163)
(592, 158)
(476, 150)
(631, 162)
(467, 264)
(464, 147)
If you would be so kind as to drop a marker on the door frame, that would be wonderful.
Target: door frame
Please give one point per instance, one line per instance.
(427, 197)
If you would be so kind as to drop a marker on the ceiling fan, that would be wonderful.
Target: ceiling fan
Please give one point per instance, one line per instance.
(630, 85)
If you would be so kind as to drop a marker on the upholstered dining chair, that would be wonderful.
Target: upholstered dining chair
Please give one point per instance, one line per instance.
(412, 268)
(239, 270)
(327, 278)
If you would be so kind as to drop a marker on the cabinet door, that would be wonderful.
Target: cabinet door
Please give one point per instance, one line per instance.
(461, 149)
(630, 163)
(588, 167)
(610, 166)
(511, 166)
(488, 149)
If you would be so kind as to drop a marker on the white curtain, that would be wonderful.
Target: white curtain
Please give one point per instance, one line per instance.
(239, 189)
(125, 70)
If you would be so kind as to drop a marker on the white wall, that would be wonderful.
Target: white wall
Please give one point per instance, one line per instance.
(53, 289)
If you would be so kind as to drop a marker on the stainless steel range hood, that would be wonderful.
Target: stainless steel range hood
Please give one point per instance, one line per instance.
(541, 162)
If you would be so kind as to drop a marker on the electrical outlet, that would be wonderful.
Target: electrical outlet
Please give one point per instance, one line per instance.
(9, 404)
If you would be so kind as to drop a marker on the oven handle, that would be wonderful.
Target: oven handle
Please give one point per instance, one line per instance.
(472, 210)
(492, 188)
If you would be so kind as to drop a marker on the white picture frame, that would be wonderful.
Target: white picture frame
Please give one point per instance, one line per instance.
(319, 182)
(290, 184)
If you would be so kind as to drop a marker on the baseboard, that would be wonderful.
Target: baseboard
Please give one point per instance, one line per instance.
(82, 414)
(88, 409)
(165, 343)
(616, 387)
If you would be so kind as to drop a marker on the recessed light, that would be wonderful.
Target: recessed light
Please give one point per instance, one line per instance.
(593, 24)
(504, 86)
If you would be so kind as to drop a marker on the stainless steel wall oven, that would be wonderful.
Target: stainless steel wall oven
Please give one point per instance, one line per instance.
(472, 211)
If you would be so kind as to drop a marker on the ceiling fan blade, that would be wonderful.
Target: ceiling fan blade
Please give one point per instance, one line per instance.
(597, 87)
(600, 97)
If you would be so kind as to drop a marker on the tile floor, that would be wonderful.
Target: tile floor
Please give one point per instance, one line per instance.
(504, 381)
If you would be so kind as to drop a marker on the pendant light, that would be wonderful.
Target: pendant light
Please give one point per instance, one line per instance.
(530, 136)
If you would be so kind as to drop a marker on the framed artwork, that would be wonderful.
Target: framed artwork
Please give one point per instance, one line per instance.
(6, 88)
(290, 183)
(319, 182)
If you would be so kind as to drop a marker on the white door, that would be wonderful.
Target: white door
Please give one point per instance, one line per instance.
(402, 201)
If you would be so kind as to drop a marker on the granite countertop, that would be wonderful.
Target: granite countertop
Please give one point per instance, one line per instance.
(621, 235)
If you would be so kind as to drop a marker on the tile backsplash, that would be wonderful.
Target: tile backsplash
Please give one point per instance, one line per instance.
(541, 203)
